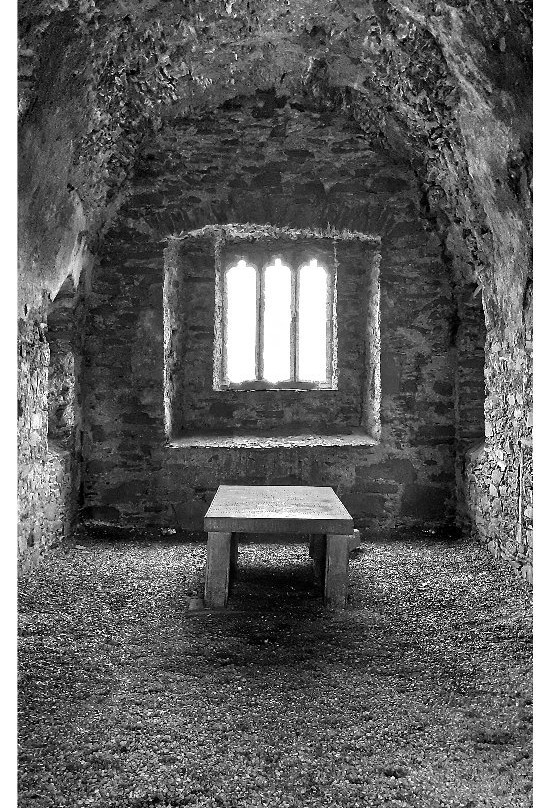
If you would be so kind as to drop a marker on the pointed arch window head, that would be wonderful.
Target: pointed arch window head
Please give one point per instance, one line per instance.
(278, 324)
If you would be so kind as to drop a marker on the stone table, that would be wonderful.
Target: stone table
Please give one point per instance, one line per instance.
(314, 510)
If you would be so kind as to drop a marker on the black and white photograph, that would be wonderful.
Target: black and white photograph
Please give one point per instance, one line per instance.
(274, 481)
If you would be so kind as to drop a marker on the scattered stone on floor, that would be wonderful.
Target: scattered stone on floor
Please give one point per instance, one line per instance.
(418, 695)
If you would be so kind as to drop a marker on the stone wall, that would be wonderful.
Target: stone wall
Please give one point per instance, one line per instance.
(93, 75)
(46, 470)
(500, 473)
(469, 324)
(289, 167)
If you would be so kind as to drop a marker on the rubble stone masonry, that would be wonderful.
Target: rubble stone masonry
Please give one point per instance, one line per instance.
(46, 469)
(289, 169)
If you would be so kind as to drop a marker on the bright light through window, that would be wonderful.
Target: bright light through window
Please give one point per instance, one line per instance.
(312, 323)
(277, 322)
(241, 323)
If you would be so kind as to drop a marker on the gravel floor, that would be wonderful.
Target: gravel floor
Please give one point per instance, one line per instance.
(418, 695)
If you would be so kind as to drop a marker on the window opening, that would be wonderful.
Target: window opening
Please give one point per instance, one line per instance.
(240, 322)
(278, 325)
(313, 319)
(277, 322)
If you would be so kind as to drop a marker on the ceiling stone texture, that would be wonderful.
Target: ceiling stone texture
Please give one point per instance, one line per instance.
(443, 85)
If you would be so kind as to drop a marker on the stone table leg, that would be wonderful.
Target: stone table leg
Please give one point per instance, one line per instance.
(216, 588)
(317, 552)
(336, 571)
(233, 560)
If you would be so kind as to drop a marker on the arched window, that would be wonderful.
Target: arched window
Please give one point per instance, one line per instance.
(278, 321)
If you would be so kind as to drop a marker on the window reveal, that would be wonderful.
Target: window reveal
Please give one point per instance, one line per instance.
(278, 325)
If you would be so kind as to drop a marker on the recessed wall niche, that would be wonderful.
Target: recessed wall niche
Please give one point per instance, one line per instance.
(133, 474)
(195, 401)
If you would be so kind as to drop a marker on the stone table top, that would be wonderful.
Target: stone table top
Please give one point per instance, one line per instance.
(277, 509)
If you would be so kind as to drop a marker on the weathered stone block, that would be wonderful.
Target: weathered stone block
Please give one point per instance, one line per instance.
(128, 491)
(424, 501)
(364, 504)
(368, 486)
(390, 184)
(220, 409)
(389, 374)
(393, 469)
(434, 434)
(100, 513)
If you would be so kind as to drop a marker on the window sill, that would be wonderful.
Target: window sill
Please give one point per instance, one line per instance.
(272, 441)
(287, 386)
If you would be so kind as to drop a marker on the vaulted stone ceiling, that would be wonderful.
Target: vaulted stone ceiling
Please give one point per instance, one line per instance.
(444, 84)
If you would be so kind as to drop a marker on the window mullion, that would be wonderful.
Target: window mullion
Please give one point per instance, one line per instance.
(260, 309)
(294, 326)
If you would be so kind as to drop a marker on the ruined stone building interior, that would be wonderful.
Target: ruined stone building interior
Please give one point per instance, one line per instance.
(390, 141)
(275, 243)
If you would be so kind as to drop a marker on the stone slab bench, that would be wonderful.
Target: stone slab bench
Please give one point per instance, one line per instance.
(314, 510)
